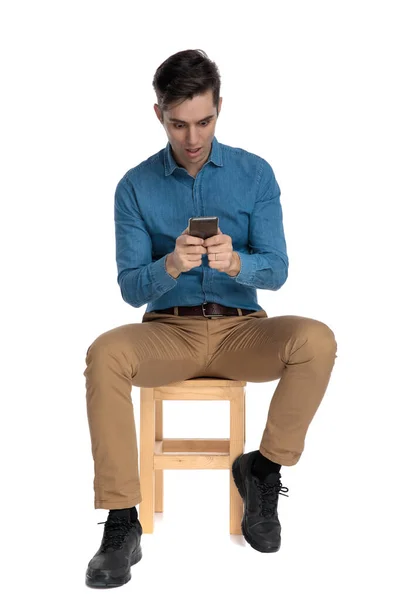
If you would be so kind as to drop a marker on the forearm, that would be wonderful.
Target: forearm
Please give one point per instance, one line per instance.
(145, 284)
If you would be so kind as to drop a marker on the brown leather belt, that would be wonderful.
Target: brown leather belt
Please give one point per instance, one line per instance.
(207, 309)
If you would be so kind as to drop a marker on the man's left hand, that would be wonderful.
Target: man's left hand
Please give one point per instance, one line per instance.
(221, 246)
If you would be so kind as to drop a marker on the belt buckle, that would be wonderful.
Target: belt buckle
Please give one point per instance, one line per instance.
(209, 316)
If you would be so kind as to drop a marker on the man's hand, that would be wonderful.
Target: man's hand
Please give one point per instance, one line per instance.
(221, 255)
(187, 253)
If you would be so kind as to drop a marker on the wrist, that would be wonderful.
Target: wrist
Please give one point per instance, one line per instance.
(170, 266)
(235, 266)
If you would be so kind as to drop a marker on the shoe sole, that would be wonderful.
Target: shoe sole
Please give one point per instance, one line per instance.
(104, 579)
(237, 477)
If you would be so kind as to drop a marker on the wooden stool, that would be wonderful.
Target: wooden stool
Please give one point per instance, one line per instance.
(156, 452)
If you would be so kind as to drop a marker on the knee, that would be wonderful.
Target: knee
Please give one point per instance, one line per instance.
(107, 353)
(106, 345)
(321, 336)
(97, 347)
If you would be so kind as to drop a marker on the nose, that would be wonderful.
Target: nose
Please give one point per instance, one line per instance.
(192, 139)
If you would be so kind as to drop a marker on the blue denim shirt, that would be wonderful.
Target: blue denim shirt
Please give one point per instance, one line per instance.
(153, 203)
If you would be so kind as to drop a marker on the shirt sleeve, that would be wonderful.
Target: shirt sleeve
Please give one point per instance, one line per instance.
(266, 266)
(140, 280)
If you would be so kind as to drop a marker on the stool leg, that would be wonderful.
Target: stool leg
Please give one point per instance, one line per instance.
(244, 418)
(236, 447)
(147, 439)
(159, 473)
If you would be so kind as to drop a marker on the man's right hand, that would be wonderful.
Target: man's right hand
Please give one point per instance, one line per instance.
(188, 252)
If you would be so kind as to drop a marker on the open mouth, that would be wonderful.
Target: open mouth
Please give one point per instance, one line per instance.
(194, 152)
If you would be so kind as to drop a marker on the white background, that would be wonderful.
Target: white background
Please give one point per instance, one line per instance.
(312, 87)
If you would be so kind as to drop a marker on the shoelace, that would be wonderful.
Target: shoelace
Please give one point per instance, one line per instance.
(115, 532)
(269, 496)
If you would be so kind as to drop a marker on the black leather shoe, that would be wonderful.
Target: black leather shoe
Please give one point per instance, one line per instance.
(260, 524)
(119, 550)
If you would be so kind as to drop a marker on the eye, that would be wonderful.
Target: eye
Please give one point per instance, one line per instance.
(180, 125)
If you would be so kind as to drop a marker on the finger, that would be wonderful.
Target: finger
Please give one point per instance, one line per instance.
(193, 250)
(221, 258)
(220, 248)
(194, 240)
(190, 239)
(215, 239)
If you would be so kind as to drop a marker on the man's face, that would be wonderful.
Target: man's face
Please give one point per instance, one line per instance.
(191, 124)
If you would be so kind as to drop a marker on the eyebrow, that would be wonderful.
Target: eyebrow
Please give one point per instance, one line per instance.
(180, 120)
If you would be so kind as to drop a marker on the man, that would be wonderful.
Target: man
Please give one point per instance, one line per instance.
(202, 317)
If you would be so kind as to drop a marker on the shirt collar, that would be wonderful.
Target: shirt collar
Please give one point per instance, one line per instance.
(215, 157)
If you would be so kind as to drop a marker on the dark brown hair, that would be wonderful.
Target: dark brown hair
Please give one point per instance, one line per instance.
(183, 75)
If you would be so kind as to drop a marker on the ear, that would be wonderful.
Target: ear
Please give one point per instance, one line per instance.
(158, 112)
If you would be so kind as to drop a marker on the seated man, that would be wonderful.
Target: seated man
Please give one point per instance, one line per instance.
(202, 317)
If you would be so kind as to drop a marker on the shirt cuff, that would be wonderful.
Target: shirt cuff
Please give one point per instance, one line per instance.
(247, 269)
(161, 279)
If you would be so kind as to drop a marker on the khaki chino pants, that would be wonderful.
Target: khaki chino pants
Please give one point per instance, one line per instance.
(165, 348)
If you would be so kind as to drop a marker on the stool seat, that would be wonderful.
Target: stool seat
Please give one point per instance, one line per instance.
(158, 453)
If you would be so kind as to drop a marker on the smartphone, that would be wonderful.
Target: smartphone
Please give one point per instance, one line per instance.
(203, 227)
